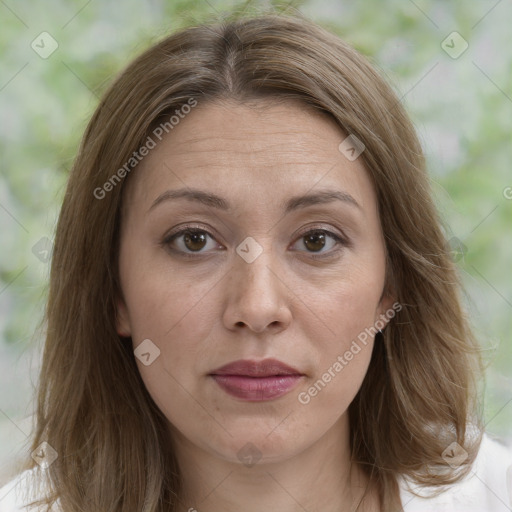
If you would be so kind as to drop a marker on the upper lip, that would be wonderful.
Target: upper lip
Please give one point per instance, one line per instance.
(250, 368)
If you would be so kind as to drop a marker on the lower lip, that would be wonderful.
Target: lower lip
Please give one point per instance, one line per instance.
(257, 389)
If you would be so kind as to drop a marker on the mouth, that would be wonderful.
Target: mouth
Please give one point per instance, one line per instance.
(257, 381)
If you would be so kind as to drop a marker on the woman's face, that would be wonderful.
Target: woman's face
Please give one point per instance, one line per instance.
(260, 274)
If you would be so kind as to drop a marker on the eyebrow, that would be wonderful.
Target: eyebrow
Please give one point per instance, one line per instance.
(294, 203)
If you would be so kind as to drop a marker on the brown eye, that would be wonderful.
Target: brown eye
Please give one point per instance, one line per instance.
(315, 241)
(195, 241)
(189, 241)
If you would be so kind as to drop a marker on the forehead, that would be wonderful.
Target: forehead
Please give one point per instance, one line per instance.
(262, 131)
(262, 152)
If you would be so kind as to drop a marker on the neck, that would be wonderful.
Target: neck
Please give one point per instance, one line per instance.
(321, 477)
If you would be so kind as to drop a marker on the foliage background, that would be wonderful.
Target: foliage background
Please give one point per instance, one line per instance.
(462, 109)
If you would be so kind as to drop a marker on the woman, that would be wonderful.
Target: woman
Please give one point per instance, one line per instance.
(252, 305)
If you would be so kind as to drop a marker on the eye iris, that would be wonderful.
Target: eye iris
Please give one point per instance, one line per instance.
(194, 238)
(315, 241)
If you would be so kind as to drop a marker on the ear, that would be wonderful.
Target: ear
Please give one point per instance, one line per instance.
(123, 326)
(388, 304)
(388, 307)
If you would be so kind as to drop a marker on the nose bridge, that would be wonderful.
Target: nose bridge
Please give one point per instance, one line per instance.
(257, 296)
(254, 260)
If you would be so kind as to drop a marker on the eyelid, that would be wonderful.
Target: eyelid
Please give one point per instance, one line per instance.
(191, 226)
(322, 227)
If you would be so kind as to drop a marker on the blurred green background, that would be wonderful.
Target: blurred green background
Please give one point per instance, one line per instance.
(459, 98)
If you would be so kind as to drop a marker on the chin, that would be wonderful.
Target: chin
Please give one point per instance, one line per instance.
(256, 446)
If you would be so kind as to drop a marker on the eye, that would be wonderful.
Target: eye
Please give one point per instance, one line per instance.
(189, 240)
(192, 240)
(316, 240)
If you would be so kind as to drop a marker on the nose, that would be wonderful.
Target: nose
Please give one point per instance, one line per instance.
(257, 295)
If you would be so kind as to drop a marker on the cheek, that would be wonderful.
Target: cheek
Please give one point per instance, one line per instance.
(181, 327)
(328, 395)
(167, 305)
(349, 307)
(348, 303)
(341, 361)
(179, 324)
(178, 318)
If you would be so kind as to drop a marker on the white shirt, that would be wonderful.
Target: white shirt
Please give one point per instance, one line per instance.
(488, 487)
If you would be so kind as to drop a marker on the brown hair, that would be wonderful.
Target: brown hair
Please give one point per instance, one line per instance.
(93, 409)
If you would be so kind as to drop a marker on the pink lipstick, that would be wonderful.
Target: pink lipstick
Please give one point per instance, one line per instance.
(257, 381)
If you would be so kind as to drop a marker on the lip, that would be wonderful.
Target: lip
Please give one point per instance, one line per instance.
(257, 381)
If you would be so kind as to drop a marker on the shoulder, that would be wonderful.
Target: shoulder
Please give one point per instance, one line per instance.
(22, 490)
(487, 488)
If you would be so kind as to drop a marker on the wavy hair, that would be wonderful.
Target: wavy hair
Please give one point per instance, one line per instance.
(419, 393)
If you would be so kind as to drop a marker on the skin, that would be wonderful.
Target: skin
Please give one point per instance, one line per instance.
(215, 307)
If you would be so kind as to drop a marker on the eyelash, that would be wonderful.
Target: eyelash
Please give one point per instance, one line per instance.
(194, 229)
